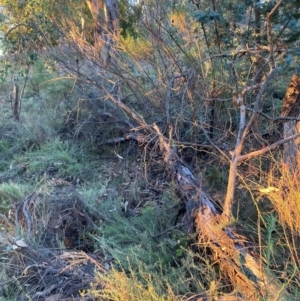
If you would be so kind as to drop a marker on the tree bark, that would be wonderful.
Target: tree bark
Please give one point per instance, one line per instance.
(16, 102)
(291, 108)
(105, 15)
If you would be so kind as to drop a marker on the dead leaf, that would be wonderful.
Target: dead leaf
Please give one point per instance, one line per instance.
(21, 243)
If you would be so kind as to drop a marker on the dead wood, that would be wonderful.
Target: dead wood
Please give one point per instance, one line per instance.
(237, 260)
(240, 141)
(42, 270)
(15, 102)
(235, 254)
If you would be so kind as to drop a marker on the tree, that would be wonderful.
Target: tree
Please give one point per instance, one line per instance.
(290, 108)
(179, 98)
(106, 19)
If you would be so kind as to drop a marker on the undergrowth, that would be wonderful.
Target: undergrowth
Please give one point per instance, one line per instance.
(147, 256)
(152, 259)
(56, 158)
(11, 193)
(279, 220)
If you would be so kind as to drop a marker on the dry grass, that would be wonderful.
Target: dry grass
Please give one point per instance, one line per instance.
(280, 231)
(284, 191)
(117, 285)
(45, 251)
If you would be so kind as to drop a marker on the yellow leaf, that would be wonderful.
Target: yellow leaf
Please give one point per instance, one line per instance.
(268, 189)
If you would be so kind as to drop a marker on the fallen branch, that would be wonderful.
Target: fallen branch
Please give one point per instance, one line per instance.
(245, 270)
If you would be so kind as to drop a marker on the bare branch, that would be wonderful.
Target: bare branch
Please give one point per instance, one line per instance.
(274, 119)
(15, 27)
(242, 134)
(270, 42)
(233, 165)
(267, 149)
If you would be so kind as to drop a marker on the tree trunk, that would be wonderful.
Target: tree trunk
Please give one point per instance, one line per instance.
(291, 108)
(105, 14)
(112, 16)
(16, 102)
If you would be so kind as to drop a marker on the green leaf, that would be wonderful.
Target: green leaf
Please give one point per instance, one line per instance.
(289, 59)
(201, 17)
(214, 16)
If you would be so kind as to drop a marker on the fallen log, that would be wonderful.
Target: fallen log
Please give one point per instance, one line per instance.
(237, 259)
(249, 277)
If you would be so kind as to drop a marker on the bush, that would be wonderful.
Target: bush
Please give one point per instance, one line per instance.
(55, 158)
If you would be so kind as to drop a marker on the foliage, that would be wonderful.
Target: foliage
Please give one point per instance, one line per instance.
(151, 262)
(175, 65)
(46, 102)
(129, 17)
(54, 158)
(275, 195)
(30, 24)
(137, 48)
(11, 193)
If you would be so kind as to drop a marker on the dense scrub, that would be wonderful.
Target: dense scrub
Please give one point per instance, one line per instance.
(117, 135)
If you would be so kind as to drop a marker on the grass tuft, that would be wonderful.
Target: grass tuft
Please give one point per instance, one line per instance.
(11, 193)
(55, 158)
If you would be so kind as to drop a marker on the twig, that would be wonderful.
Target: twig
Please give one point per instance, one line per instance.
(276, 119)
(15, 27)
(24, 86)
(27, 215)
(267, 149)
(23, 205)
(4, 220)
(169, 96)
(270, 42)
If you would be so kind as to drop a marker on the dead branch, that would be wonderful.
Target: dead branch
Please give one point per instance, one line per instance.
(268, 148)
(274, 119)
(244, 270)
(242, 134)
(23, 206)
(233, 166)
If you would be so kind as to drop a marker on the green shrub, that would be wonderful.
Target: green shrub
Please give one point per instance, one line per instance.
(55, 158)
(11, 193)
(152, 258)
